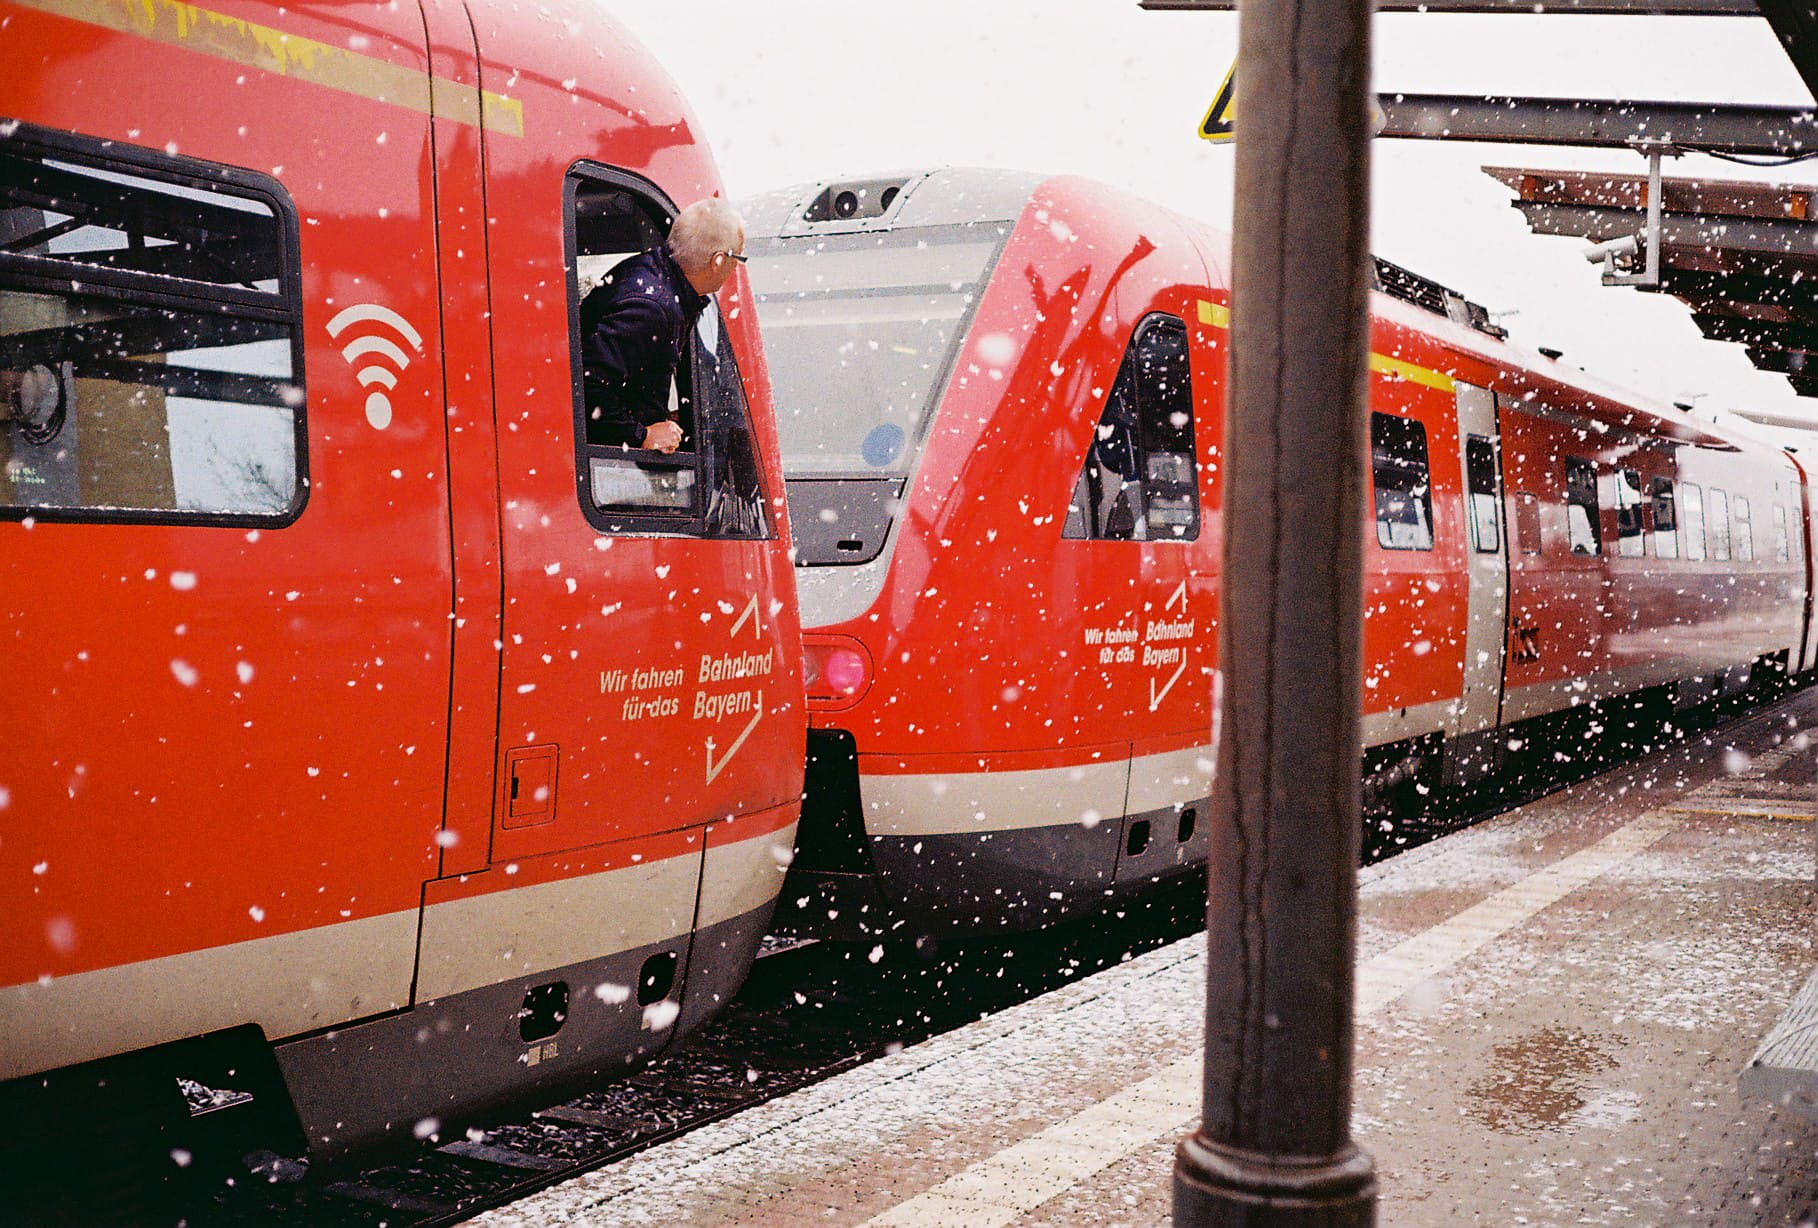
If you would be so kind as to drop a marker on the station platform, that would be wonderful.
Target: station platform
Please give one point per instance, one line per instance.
(1553, 1010)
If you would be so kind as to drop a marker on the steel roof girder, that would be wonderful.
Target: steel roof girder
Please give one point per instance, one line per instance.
(1599, 123)
(1793, 296)
(1795, 24)
(1784, 362)
(1598, 223)
(1745, 313)
(1772, 333)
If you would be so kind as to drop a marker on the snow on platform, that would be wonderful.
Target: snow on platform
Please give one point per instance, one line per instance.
(1553, 1008)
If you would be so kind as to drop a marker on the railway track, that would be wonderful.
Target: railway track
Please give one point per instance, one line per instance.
(808, 1012)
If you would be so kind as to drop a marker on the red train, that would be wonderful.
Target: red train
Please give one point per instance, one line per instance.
(1000, 401)
(379, 746)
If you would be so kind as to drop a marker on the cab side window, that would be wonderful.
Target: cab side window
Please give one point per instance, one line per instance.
(1140, 478)
(712, 486)
(1745, 530)
(150, 337)
(1400, 476)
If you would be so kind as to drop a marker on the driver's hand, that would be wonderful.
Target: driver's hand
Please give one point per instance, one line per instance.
(664, 436)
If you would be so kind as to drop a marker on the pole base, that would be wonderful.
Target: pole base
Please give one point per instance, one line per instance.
(1221, 1187)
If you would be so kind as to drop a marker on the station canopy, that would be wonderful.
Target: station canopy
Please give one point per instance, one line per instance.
(1742, 255)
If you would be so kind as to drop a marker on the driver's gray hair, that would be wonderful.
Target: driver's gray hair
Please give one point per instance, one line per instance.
(703, 228)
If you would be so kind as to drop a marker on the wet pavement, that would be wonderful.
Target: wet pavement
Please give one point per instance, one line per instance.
(1553, 1008)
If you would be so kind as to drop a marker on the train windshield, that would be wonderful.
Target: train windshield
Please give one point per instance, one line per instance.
(860, 330)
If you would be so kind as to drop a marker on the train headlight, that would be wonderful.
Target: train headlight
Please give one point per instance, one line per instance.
(836, 670)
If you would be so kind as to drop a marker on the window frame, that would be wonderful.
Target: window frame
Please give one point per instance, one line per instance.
(694, 523)
(1691, 509)
(1593, 512)
(1661, 489)
(1715, 520)
(1627, 478)
(49, 276)
(1527, 514)
(1493, 495)
(1150, 322)
(1426, 447)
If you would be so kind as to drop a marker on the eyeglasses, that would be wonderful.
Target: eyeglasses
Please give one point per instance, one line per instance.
(736, 256)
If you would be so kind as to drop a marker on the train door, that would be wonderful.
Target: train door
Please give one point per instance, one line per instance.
(1140, 483)
(592, 795)
(649, 642)
(469, 432)
(1802, 536)
(1487, 567)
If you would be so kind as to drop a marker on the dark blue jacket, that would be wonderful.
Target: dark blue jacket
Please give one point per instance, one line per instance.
(634, 332)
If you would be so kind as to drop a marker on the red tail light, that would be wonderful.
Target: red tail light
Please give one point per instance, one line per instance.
(836, 670)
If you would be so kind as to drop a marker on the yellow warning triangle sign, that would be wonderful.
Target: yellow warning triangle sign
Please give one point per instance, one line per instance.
(1217, 125)
(1221, 118)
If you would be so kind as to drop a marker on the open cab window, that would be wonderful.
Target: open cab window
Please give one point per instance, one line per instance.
(712, 486)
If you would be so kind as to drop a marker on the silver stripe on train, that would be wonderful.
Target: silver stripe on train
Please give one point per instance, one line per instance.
(334, 974)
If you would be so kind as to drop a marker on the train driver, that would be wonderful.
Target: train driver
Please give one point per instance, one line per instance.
(635, 326)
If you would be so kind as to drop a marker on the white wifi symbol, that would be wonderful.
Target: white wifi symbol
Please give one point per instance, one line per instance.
(372, 345)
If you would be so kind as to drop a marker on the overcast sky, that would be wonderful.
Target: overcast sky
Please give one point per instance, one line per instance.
(795, 90)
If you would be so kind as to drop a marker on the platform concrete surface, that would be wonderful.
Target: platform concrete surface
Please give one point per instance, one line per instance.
(1553, 1008)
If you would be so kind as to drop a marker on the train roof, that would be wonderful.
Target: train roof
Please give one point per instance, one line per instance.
(1524, 374)
(974, 195)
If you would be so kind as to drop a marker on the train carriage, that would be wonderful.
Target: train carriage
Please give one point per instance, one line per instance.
(1025, 671)
(373, 726)
(1004, 474)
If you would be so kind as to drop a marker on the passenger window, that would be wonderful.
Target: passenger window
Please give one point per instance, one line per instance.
(1694, 521)
(1404, 497)
(1745, 531)
(1629, 540)
(1720, 524)
(1140, 478)
(1781, 554)
(1666, 523)
(1527, 522)
(712, 486)
(1480, 477)
(150, 337)
(1581, 507)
